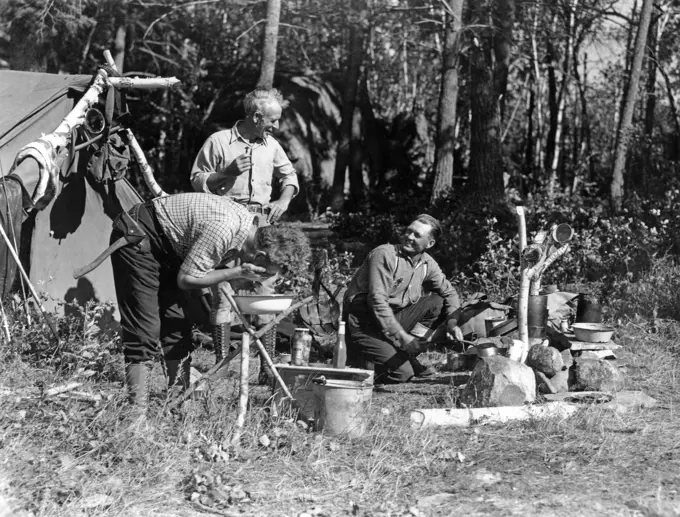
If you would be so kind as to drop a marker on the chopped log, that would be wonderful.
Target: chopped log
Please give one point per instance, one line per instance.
(424, 418)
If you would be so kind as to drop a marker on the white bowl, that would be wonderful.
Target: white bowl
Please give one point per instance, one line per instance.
(263, 304)
(592, 332)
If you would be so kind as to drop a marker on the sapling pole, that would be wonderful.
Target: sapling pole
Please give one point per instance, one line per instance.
(524, 283)
(144, 167)
(60, 136)
(522, 224)
(5, 325)
(243, 390)
(144, 83)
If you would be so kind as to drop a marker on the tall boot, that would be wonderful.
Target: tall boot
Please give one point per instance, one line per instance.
(179, 375)
(221, 340)
(269, 341)
(137, 383)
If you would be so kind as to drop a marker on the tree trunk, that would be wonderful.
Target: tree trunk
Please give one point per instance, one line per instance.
(119, 47)
(269, 42)
(675, 113)
(486, 165)
(529, 137)
(586, 133)
(650, 85)
(357, 187)
(448, 99)
(622, 135)
(551, 59)
(562, 100)
(503, 16)
(650, 101)
(537, 155)
(486, 159)
(349, 98)
(374, 148)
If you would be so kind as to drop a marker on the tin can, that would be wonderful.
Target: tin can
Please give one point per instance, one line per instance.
(301, 345)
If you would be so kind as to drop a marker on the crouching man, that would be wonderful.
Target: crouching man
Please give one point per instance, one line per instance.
(394, 302)
(189, 238)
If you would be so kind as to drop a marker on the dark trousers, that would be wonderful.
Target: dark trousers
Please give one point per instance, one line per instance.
(150, 303)
(367, 346)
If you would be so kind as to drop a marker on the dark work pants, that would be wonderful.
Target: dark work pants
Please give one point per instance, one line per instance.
(149, 300)
(368, 347)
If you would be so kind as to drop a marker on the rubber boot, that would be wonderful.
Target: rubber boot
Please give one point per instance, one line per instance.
(266, 376)
(179, 375)
(137, 384)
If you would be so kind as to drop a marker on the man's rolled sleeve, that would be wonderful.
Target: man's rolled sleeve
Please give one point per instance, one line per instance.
(379, 282)
(284, 170)
(436, 282)
(205, 164)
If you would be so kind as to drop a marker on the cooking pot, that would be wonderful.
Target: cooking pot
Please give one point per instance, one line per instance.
(488, 350)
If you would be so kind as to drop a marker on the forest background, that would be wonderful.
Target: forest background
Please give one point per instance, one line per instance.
(461, 109)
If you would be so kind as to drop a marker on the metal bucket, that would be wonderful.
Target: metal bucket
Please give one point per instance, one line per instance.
(342, 407)
(537, 316)
(588, 309)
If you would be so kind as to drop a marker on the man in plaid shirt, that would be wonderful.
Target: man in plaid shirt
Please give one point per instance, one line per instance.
(189, 239)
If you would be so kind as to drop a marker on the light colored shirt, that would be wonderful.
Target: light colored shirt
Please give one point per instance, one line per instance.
(392, 281)
(269, 162)
(203, 228)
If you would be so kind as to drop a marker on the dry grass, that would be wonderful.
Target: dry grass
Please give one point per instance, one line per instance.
(67, 457)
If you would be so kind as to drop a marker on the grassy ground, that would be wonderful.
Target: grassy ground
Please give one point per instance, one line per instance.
(71, 456)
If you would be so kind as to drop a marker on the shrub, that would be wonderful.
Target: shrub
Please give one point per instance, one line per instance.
(654, 294)
(479, 250)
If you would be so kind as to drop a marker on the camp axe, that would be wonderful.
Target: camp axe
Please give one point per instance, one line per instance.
(132, 235)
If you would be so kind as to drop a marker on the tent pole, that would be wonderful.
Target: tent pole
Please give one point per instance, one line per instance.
(5, 325)
(30, 285)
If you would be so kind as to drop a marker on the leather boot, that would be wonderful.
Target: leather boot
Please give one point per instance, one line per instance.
(221, 340)
(137, 383)
(269, 341)
(179, 375)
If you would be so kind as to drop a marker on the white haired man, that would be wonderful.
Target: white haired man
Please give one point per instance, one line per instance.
(242, 163)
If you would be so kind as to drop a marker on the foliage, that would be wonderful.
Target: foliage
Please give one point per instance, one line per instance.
(87, 344)
(654, 294)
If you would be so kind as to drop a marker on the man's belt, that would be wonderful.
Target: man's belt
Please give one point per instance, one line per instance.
(132, 234)
(257, 208)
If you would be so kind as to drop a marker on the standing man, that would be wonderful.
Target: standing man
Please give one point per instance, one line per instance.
(242, 163)
(188, 238)
(389, 314)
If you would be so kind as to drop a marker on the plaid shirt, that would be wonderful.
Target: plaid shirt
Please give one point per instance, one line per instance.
(203, 229)
(269, 161)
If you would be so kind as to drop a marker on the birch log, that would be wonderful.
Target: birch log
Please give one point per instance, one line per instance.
(144, 83)
(76, 117)
(424, 418)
